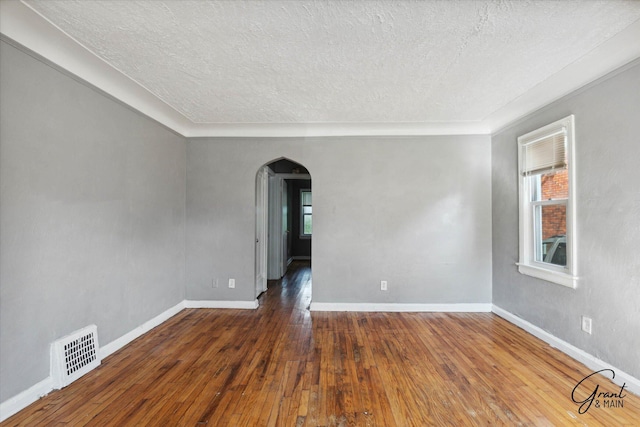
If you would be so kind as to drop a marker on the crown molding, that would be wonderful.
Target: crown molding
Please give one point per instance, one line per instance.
(32, 31)
(334, 129)
(616, 52)
(29, 29)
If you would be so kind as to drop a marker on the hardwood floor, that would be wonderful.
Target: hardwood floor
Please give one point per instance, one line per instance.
(281, 365)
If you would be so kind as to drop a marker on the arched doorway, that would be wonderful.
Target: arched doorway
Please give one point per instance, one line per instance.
(284, 219)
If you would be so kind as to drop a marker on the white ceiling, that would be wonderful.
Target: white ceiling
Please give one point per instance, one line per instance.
(336, 67)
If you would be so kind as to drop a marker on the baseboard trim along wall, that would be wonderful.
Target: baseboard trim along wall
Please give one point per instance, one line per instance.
(632, 383)
(20, 401)
(243, 305)
(117, 344)
(394, 307)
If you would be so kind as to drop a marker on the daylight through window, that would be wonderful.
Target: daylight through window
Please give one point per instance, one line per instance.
(306, 209)
(547, 214)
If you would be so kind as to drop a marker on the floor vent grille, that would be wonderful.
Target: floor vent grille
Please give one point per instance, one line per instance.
(74, 355)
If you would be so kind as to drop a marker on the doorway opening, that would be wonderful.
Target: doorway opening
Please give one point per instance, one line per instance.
(284, 220)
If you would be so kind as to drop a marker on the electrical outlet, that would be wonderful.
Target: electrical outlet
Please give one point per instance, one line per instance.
(586, 324)
(232, 283)
(383, 285)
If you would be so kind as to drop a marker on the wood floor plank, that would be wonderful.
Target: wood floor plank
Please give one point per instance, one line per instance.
(281, 365)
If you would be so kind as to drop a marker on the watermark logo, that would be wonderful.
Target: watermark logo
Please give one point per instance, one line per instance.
(588, 386)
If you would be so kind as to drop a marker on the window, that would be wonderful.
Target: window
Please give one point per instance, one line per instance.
(547, 203)
(305, 210)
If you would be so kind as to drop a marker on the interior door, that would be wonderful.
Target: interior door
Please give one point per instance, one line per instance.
(262, 212)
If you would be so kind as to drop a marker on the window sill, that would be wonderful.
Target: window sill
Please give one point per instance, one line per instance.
(549, 275)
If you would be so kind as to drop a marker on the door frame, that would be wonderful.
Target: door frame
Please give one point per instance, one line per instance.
(269, 223)
(262, 236)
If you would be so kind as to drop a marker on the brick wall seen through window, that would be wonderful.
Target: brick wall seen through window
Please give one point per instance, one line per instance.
(554, 186)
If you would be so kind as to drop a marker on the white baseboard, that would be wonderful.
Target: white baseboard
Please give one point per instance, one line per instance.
(20, 401)
(591, 362)
(244, 305)
(44, 387)
(117, 344)
(394, 307)
(27, 397)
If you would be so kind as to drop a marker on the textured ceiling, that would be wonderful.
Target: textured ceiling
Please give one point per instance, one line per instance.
(339, 61)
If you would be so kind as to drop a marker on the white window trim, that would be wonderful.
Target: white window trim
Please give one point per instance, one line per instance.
(565, 276)
(302, 234)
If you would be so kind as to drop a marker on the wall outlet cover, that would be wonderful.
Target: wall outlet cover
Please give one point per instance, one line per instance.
(586, 324)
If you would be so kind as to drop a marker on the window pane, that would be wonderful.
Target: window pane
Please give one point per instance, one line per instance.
(550, 186)
(547, 215)
(555, 185)
(534, 185)
(560, 255)
(306, 209)
(307, 224)
(551, 233)
(306, 198)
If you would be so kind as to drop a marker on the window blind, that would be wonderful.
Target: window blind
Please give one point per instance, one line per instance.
(546, 154)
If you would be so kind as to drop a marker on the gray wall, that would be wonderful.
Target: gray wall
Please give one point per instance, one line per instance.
(413, 211)
(607, 117)
(92, 216)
